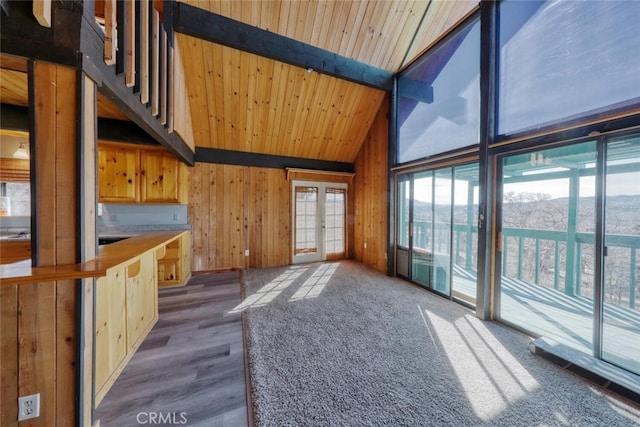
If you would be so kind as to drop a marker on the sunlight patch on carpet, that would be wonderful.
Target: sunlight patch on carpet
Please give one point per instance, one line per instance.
(490, 376)
(271, 290)
(314, 285)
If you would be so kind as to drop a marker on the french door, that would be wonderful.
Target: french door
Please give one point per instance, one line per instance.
(319, 211)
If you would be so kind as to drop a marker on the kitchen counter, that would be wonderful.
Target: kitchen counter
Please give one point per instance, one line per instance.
(109, 256)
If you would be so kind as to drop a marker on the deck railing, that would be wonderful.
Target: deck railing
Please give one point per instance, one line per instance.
(540, 257)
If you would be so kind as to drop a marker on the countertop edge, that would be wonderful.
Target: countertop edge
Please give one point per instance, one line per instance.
(109, 257)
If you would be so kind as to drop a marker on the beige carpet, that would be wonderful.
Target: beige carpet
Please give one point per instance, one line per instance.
(338, 344)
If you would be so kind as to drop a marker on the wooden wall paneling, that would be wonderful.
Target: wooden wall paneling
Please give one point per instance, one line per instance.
(255, 211)
(283, 238)
(45, 97)
(371, 195)
(238, 217)
(37, 336)
(195, 215)
(66, 178)
(209, 217)
(47, 314)
(9, 356)
(248, 215)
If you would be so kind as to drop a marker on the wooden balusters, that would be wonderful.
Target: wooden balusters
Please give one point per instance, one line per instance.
(140, 45)
(110, 28)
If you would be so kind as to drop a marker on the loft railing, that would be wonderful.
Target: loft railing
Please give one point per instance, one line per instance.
(138, 44)
(540, 257)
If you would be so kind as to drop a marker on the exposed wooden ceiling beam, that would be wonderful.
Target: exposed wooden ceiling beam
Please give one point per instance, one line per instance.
(205, 25)
(243, 158)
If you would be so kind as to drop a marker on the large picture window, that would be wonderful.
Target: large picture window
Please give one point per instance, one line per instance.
(439, 98)
(561, 61)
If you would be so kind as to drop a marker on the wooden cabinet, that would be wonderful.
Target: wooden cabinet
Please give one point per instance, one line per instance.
(174, 268)
(142, 299)
(126, 310)
(111, 328)
(160, 173)
(130, 174)
(118, 174)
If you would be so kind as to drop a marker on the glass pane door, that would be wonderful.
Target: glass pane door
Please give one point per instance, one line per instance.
(621, 293)
(319, 221)
(334, 219)
(441, 251)
(547, 247)
(465, 232)
(306, 220)
(422, 247)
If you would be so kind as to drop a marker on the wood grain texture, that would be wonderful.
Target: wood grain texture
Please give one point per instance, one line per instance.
(371, 195)
(247, 103)
(192, 361)
(378, 33)
(233, 208)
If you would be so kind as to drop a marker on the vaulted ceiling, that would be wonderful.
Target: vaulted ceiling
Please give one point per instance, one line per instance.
(244, 102)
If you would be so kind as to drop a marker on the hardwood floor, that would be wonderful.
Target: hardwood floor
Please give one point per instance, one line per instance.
(190, 370)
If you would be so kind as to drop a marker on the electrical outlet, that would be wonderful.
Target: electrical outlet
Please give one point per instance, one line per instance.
(246, 252)
(29, 407)
(365, 245)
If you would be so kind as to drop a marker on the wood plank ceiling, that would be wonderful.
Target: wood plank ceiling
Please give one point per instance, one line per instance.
(243, 102)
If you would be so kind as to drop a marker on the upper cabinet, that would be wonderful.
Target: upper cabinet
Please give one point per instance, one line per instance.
(134, 174)
(118, 169)
(160, 173)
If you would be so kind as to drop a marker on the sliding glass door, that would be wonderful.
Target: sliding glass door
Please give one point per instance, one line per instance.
(437, 230)
(621, 287)
(556, 205)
